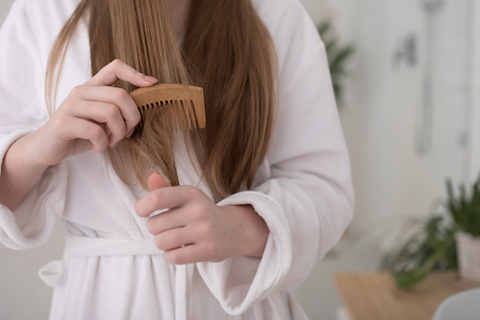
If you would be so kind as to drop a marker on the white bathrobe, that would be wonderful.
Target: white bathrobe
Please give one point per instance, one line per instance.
(111, 268)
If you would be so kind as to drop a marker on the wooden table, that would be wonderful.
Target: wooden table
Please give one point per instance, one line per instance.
(374, 296)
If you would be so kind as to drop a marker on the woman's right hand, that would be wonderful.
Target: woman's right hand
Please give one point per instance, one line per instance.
(93, 116)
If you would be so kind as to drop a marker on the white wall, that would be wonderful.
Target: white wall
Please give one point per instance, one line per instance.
(383, 103)
(473, 159)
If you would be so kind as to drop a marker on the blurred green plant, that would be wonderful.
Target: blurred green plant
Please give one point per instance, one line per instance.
(430, 248)
(433, 246)
(465, 210)
(338, 57)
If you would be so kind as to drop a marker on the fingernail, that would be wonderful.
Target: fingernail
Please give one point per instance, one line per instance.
(150, 79)
(130, 133)
(114, 145)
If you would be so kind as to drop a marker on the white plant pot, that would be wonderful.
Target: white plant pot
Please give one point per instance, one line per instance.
(468, 252)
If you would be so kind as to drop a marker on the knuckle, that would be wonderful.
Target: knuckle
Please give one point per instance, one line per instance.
(137, 208)
(61, 121)
(121, 94)
(156, 199)
(173, 257)
(136, 74)
(77, 89)
(151, 226)
(137, 117)
(192, 191)
(200, 212)
(158, 242)
(207, 230)
(174, 238)
(211, 250)
(117, 63)
(110, 111)
(97, 132)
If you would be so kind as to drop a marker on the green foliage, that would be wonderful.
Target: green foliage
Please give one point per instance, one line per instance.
(465, 210)
(338, 57)
(434, 246)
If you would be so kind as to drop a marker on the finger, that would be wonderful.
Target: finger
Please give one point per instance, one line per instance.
(84, 129)
(175, 218)
(82, 146)
(156, 181)
(118, 97)
(104, 113)
(186, 255)
(118, 70)
(164, 198)
(175, 238)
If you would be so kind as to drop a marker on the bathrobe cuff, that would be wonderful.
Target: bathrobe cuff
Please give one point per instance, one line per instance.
(239, 282)
(33, 222)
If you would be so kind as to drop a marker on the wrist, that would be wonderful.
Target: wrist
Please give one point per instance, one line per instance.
(22, 152)
(19, 174)
(254, 232)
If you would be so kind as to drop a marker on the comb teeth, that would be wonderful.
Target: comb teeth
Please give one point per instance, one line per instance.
(183, 110)
(185, 102)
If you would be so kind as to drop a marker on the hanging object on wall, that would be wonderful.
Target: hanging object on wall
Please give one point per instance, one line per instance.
(424, 124)
(406, 53)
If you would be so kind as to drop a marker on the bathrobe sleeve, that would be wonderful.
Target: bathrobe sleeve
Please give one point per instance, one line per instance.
(22, 110)
(305, 195)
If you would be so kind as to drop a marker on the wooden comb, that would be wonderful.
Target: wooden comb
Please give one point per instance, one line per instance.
(187, 103)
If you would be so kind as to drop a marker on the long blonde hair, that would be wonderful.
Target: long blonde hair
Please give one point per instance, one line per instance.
(226, 50)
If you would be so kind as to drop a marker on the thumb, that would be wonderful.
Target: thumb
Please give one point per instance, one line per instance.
(157, 181)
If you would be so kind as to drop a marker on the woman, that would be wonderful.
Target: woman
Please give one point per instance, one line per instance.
(254, 200)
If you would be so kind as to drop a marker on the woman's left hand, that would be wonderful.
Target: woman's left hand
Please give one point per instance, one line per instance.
(195, 229)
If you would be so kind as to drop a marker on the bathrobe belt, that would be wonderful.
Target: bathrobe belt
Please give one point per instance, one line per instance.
(78, 246)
